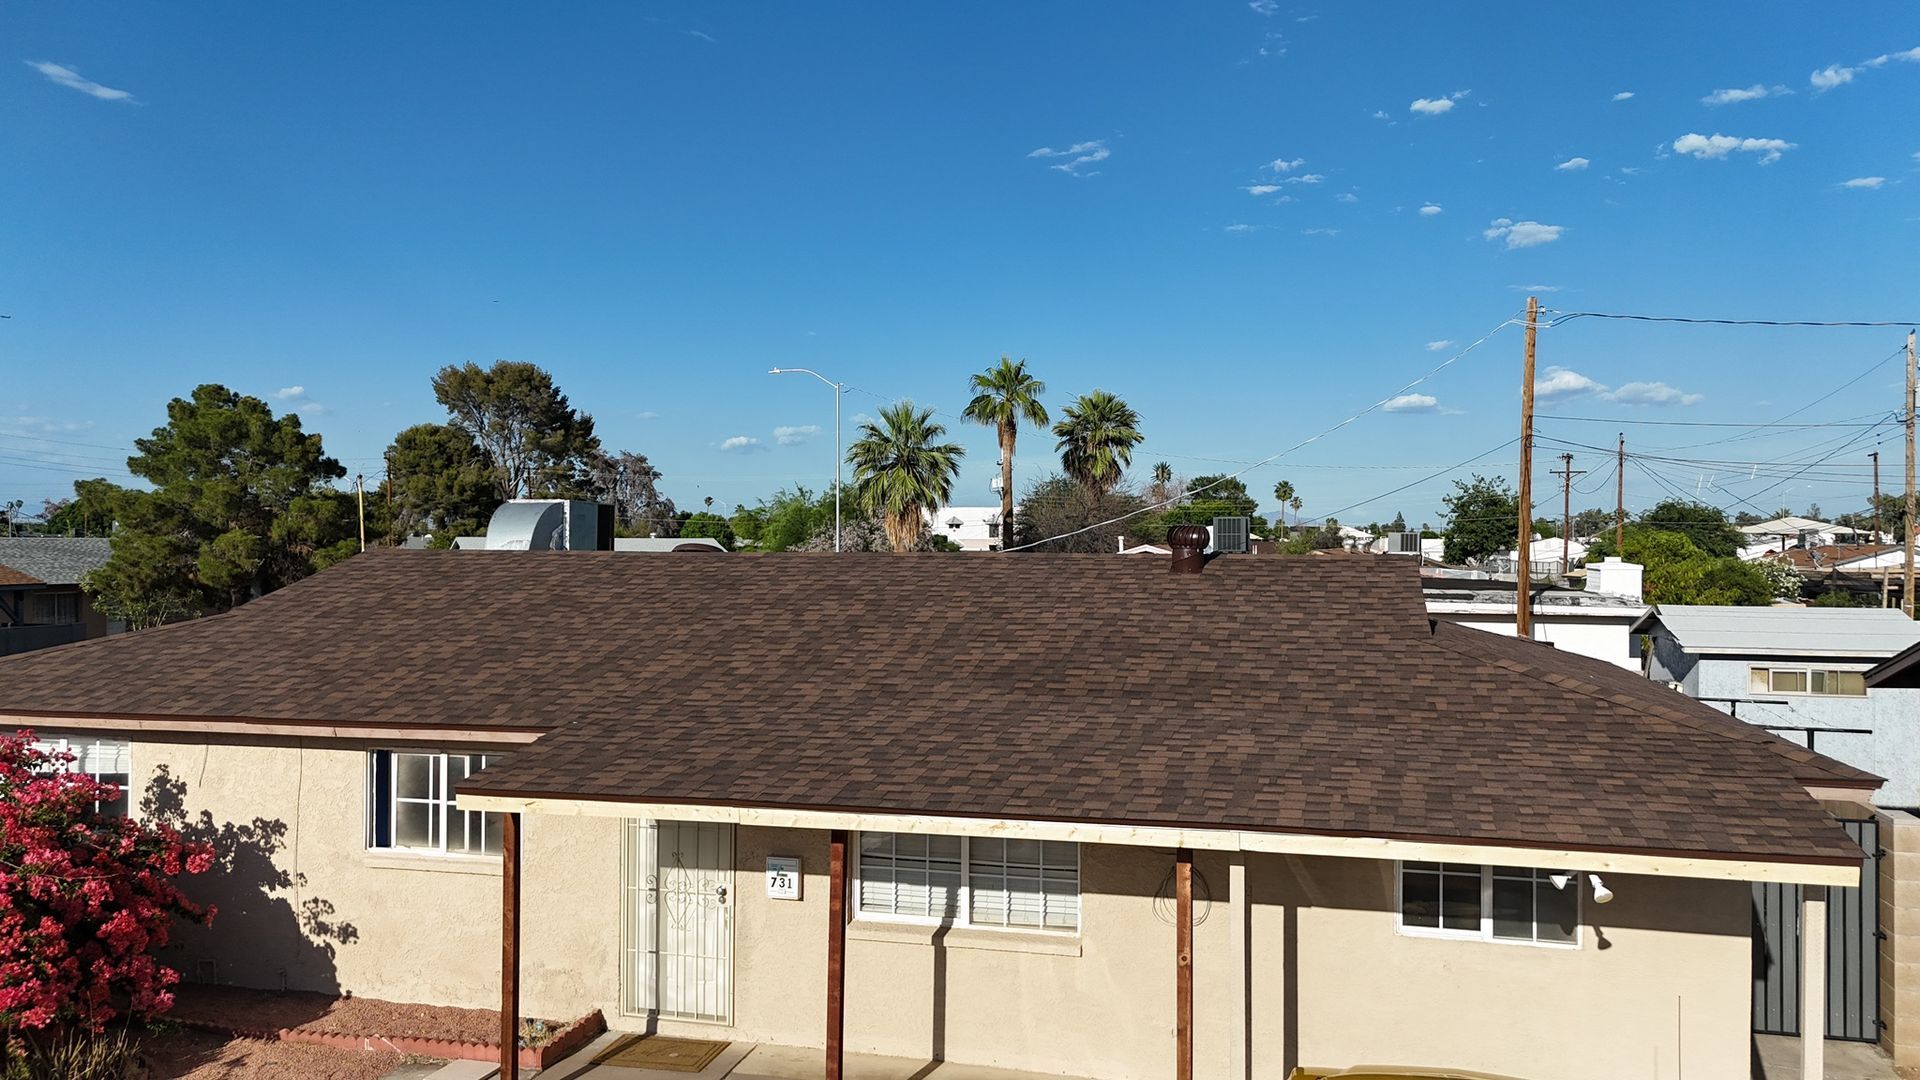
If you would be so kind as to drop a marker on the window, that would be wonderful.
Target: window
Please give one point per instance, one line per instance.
(109, 761)
(411, 805)
(53, 609)
(1489, 903)
(969, 881)
(1826, 682)
(993, 530)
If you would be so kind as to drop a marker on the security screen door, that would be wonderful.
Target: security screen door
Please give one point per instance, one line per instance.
(680, 951)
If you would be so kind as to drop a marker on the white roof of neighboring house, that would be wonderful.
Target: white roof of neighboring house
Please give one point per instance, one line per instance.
(1541, 550)
(1709, 630)
(664, 543)
(1790, 526)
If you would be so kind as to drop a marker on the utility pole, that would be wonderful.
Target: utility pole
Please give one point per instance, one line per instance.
(1523, 583)
(1906, 596)
(1620, 501)
(1877, 534)
(1566, 472)
(360, 496)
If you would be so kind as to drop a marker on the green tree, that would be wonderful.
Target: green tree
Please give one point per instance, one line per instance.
(240, 505)
(1072, 517)
(535, 442)
(1161, 489)
(1004, 397)
(631, 485)
(1592, 522)
(1679, 572)
(901, 472)
(1097, 434)
(439, 482)
(1707, 526)
(708, 525)
(1284, 494)
(81, 515)
(1481, 516)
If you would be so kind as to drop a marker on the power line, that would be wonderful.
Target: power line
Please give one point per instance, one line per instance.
(1562, 317)
(1416, 483)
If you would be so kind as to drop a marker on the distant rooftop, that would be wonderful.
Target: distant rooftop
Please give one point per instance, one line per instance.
(1866, 633)
(55, 560)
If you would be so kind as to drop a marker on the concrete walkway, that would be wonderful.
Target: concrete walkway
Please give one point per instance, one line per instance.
(747, 1061)
(1777, 1057)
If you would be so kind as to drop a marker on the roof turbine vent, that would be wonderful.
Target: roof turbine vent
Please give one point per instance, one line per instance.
(1189, 544)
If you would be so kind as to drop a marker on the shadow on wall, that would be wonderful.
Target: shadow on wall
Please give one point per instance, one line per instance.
(268, 933)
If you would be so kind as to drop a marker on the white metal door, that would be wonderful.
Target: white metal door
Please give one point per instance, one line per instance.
(680, 957)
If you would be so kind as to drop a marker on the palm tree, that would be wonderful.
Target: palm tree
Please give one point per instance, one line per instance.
(1162, 489)
(1097, 436)
(900, 473)
(1003, 396)
(1283, 493)
(1296, 509)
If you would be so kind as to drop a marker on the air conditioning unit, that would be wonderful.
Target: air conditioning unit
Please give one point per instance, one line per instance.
(1230, 535)
(1403, 543)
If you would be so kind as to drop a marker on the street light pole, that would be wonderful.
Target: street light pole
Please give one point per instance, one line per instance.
(838, 455)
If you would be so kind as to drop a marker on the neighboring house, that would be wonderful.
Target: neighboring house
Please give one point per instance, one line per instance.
(41, 601)
(1594, 621)
(974, 528)
(670, 775)
(1778, 534)
(1800, 671)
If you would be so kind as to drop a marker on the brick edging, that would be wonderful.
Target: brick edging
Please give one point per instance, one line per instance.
(570, 1038)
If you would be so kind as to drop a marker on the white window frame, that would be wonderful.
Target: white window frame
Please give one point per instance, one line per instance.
(1808, 671)
(1485, 931)
(964, 917)
(440, 796)
(76, 745)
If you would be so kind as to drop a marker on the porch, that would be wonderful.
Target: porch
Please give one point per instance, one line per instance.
(748, 1061)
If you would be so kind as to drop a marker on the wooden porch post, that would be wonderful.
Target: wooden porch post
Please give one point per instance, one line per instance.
(836, 950)
(1813, 982)
(1183, 964)
(510, 947)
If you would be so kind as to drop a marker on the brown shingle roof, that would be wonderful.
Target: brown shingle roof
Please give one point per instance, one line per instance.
(9, 577)
(1267, 693)
(1829, 556)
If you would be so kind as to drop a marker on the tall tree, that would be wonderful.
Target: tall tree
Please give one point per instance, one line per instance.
(631, 483)
(1003, 397)
(240, 505)
(1161, 489)
(901, 471)
(1071, 517)
(1097, 435)
(1283, 494)
(440, 483)
(1480, 518)
(1707, 526)
(536, 443)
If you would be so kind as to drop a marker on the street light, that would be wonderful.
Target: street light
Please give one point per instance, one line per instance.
(838, 389)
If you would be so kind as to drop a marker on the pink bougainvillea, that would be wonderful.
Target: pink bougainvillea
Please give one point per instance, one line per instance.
(85, 898)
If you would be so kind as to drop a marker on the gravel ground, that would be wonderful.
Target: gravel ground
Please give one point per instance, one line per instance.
(184, 1054)
(233, 1008)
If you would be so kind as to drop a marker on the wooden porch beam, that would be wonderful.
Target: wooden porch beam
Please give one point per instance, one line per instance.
(836, 952)
(1183, 963)
(510, 947)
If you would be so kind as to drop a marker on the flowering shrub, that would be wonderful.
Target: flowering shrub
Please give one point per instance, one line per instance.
(85, 898)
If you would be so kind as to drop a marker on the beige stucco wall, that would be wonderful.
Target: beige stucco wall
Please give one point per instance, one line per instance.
(1661, 972)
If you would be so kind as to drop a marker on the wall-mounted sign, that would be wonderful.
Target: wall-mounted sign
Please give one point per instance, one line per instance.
(783, 877)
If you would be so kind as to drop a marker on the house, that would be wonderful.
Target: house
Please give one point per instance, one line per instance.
(1595, 621)
(41, 601)
(1780, 533)
(1802, 673)
(974, 528)
(1064, 813)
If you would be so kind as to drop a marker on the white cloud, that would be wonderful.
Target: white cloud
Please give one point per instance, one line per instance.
(1347, 197)
(288, 393)
(1381, 114)
(296, 397)
(73, 80)
(1650, 393)
(1241, 226)
(1736, 95)
(794, 436)
(1264, 7)
(1522, 234)
(1081, 153)
(1431, 106)
(42, 425)
(1562, 382)
(1536, 288)
(1261, 189)
(1430, 210)
(648, 415)
(703, 36)
(1573, 164)
(1864, 182)
(1831, 76)
(739, 443)
(1624, 95)
(1412, 403)
(1436, 346)
(1306, 178)
(1320, 232)
(1285, 165)
(1717, 146)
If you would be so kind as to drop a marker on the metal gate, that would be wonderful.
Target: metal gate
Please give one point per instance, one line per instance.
(679, 920)
(1853, 951)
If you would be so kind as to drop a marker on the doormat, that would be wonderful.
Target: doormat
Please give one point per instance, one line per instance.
(662, 1052)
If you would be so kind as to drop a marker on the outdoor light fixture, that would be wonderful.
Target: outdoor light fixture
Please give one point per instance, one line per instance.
(954, 523)
(1560, 881)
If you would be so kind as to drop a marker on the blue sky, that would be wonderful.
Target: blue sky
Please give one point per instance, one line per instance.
(1220, 212)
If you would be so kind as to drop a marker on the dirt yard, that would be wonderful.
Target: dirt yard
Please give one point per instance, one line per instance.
(234, 1009)
(186, 1054)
